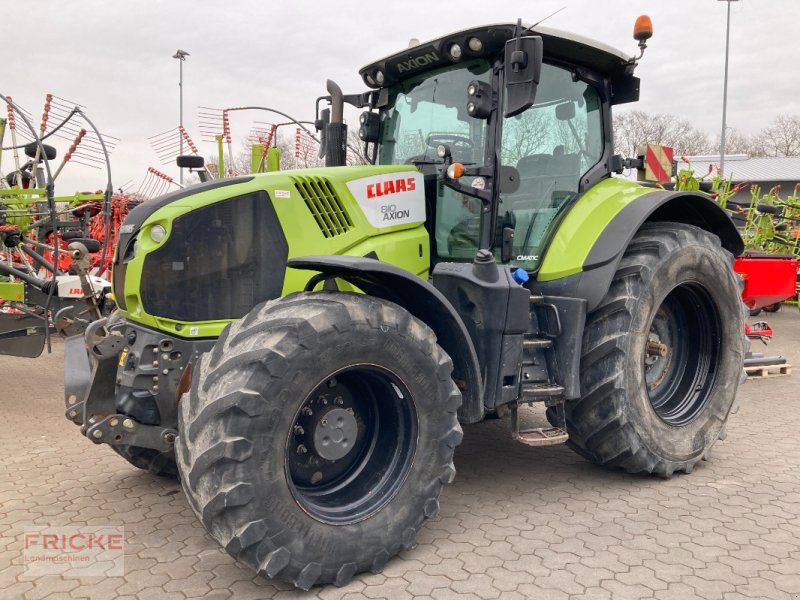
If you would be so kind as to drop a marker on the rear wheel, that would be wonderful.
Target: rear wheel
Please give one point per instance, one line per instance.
(662, 355)
(317, 435)
(773, 308)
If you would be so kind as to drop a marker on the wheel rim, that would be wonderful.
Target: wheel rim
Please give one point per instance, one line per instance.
(682, 354)
(351, 444)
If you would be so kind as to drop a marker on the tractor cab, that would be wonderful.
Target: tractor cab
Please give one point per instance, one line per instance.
(509, 124)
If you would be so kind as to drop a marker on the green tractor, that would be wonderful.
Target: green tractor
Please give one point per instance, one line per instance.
(303, 347)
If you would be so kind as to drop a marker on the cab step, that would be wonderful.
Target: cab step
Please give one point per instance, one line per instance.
(542, 436)
(536, 298)
(538, 436)
(536, 343)
(532, 392)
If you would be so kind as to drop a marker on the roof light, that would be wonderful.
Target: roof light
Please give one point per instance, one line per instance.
(475, 44)
(455, 52)
(479, 99)
(643, 28)
(379, 77)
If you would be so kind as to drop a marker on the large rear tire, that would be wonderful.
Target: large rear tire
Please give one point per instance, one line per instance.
(317, 435)
(662, 355)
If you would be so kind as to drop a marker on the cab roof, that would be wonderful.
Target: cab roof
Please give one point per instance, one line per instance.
(558, 45)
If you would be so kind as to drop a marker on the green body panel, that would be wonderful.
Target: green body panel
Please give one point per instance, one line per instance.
(406, 246)
(220, 157)
(19, 203)
(273, 160)
(264, 162)
(12, 291)
(584, 223)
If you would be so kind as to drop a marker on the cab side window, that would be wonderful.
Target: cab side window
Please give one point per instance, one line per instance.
(552, 144)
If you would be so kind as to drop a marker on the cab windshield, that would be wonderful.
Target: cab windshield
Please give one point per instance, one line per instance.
(424, 112)
(429, 110)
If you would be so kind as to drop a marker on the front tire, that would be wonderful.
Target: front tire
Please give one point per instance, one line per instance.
(150, 460)
(662, 355)
(317, 435)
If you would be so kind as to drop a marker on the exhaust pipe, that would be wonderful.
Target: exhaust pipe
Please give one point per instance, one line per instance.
(336, 130)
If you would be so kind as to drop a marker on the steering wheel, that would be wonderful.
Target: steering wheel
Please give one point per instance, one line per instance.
(450, 139)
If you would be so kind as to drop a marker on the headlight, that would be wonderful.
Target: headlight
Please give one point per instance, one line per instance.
(158, 233)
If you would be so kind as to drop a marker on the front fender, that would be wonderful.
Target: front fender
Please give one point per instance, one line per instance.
(422, 300)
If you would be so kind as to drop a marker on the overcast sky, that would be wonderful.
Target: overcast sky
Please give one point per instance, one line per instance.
(115, 57)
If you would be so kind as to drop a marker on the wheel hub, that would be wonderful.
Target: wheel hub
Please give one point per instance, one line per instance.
(335, 434)
(682, 354)
(351, 444)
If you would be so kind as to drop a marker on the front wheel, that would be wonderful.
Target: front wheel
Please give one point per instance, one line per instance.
(150, 460)
(317, 435)
(662, 355)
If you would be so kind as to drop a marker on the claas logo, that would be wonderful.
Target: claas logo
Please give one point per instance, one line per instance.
(392, 186)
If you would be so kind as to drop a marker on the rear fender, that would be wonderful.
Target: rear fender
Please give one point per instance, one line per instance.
(582, 270)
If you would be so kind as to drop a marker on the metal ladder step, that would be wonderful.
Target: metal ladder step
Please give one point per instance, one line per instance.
(542, 436)
(535, 343)
(538, 436)
(540, 391)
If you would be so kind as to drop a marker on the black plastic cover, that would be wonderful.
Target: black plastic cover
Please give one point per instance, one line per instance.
(219, 261)
(494, 309)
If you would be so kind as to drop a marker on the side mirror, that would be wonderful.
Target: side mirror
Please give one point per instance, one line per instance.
(565, 111)
(523, 66)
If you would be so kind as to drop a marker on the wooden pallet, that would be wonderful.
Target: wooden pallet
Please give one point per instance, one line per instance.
(765, 371)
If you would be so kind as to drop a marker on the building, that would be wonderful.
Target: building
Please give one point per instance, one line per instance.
(763, 172)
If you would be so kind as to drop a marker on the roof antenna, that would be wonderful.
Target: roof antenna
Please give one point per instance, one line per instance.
(543, 20)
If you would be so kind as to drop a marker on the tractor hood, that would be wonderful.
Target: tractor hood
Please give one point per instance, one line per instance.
(191, 261)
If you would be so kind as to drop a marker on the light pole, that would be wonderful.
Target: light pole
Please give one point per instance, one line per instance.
(181, 56)
(725, 91)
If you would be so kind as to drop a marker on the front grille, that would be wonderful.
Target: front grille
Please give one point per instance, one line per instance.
(219, 261)
(324, 204)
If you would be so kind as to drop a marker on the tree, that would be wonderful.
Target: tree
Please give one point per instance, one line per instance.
(781, 138)
(737, 142)
(523, 136)
(636, 128)
(356, 154)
